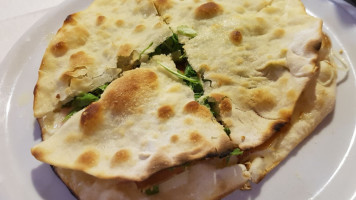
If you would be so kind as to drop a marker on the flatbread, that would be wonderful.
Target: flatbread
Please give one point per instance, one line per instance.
(92, 47)
(316, 102)
(144, 122)
(116, 139)
(259, 56)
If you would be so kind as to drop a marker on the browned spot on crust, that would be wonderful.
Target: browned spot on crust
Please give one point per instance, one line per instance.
(38, 153)
(74, 37)
(235, 37)
(125, 50)
(91, 117)
(165, 112)
(291, 94)
(221, 79)
(58, 96)
(188, 121)
(262, 98)
(120, 156)
(140, 28)
(285, 113)
(119, 22)
(127, 93)
(225, 105)
(218, 97)
(204, 67)
(224, 102)
(326, 43)
(192, 107)
(208, 10)
(70, 20)
(72, 138)
(59, 49)
(278, 126)
(80, 59)
(100, 20)
(158, 25)
(195, 137)
(163, 4)
(278, 33)
(195, 108)
(88, 159)
(174, 138)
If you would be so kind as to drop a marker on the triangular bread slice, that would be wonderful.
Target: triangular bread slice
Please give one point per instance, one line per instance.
(259, 56)
(93, 46)
(144, 122)
(315, 103)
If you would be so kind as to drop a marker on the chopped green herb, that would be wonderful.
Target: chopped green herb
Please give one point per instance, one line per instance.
(172, 46)
(140, 56)
(169, 46)
(179, 75)
(153, 190)
(210, 103)
(227, 131)
(236, 152)
(192, 81)
(187, 31)
(84, 99)
(70, 115)
(197, 87)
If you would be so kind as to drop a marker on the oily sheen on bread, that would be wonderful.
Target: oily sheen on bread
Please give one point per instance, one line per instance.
(259, 54)
(90, 46)
(267, 84)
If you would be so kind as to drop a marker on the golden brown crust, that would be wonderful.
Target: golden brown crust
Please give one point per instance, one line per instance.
(59, 49)
(235, 37)
(120, 156)
(88, 159)
(91, 118)
(208, 10)
(165, 112)
(131, 90)
(195, 108)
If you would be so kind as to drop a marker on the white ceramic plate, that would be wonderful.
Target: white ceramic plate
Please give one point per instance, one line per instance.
(322, 167)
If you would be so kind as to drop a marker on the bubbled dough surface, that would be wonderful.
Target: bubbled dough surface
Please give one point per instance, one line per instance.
(83, 53)
(144, 122)
(260, 54)
(315, 103)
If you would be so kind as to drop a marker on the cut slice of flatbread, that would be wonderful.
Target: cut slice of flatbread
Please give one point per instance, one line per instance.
(316, 102)
(259, 56)
(144, 122)
(93, 46)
